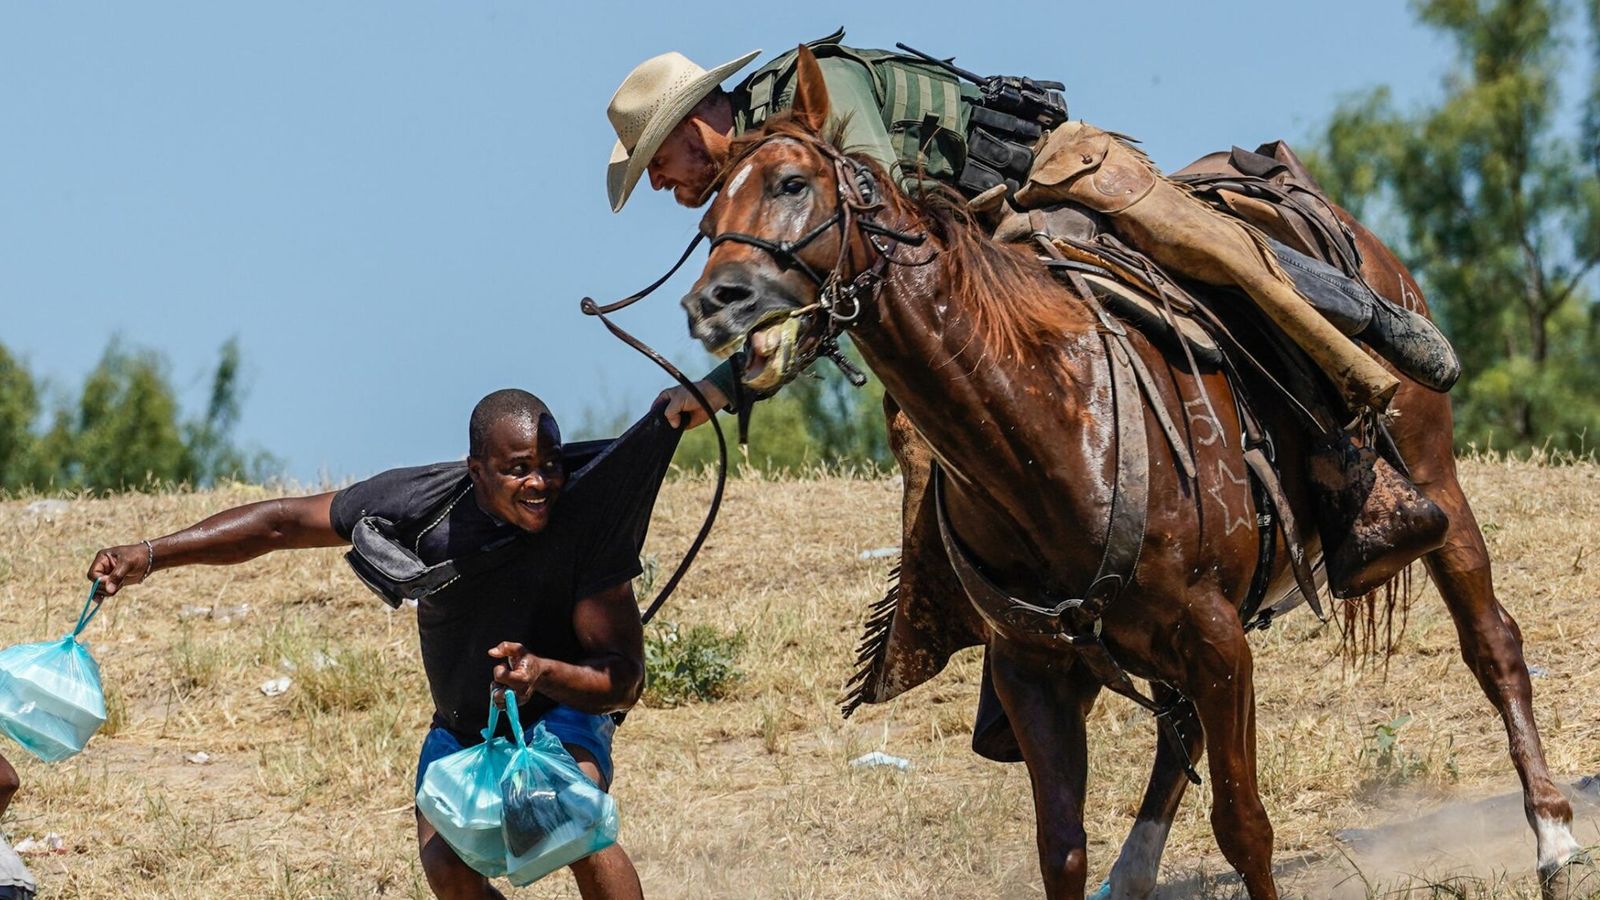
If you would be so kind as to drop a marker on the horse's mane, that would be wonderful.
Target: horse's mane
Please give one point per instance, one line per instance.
(1015, 303)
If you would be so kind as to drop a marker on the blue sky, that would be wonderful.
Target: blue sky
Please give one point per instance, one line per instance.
(396, 206)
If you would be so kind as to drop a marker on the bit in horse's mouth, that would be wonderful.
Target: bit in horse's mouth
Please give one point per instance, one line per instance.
(774, 350)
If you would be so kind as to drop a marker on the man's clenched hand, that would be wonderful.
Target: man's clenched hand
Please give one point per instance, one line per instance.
(521, 670)
(118, 566)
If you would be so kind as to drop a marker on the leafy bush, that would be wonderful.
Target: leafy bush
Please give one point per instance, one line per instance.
(684, 665)
(1395, 765)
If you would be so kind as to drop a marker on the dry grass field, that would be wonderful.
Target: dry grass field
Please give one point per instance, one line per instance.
(308, 794)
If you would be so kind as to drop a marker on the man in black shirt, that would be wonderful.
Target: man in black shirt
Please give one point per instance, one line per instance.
(521, 560)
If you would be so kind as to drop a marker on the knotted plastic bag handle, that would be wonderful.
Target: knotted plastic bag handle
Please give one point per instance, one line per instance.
(494, 717)
(91, 608)
(511, 714)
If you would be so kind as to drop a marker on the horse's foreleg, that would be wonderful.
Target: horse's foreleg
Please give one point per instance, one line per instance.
(1133, 876)
(1047, 697)
(1491, 644)
(1220, 682)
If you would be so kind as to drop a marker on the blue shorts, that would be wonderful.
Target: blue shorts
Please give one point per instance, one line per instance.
(569, 726)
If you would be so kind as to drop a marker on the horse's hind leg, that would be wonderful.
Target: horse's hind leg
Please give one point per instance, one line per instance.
(1047, 696)
(1133, 876)
(1491, 644)
(1219, 680)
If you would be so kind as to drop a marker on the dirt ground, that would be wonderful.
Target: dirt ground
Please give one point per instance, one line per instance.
(307, 794)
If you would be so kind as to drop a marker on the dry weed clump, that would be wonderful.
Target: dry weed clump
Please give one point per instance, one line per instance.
(308, 794)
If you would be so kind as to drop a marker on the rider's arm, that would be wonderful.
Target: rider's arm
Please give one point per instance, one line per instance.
(232, 536)
(683, 410)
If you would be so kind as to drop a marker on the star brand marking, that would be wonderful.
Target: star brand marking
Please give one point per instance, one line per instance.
(1234, 523)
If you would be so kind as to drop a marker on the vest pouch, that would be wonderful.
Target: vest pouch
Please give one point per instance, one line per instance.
(1009, 159)
(977, 178)
(925, 149)
(925, 111)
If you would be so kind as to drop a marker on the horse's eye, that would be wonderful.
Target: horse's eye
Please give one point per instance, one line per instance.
(794, 184)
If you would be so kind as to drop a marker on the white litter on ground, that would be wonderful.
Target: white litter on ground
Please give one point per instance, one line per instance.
(219, 613)
(276, 686)
(50, 843)
(199, 758)
(47, 508)
(877, 759)
(879, 553)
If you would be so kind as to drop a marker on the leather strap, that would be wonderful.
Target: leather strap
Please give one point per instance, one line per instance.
(591, 308)
(1255, 458)
(1125, 528)
(1125, 534)
(636, 296)
(1041, 235)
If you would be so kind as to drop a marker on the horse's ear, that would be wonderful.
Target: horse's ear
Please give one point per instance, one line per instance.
(810, 107)
(716, 142)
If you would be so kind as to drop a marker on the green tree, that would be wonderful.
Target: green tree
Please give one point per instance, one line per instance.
(212, 456)
(125, 434)
(19, 407)
(124, 431)
(1496, 208)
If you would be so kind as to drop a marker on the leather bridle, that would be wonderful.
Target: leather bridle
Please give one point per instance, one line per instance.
(859, 201)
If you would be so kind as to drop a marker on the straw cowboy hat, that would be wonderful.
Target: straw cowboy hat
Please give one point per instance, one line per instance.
(652, 100)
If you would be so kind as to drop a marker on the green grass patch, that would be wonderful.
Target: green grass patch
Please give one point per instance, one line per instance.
(689, 664)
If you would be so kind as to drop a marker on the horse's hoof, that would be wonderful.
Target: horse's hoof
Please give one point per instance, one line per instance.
(1576, 879)
(1103, 892)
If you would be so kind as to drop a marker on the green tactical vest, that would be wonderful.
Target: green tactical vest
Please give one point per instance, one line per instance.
(925, 109)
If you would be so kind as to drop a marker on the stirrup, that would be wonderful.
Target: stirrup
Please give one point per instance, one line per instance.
(1374, 522)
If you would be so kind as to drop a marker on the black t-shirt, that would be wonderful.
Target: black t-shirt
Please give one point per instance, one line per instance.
(592, 543)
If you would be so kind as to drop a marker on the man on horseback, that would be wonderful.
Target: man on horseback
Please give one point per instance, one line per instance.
(971, 410)
(912, 117)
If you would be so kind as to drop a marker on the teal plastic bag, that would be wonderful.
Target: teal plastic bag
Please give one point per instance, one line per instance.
(460, 798)
(554, 815)
(50, 697)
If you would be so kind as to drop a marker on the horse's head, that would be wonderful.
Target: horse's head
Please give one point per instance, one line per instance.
(788, 234)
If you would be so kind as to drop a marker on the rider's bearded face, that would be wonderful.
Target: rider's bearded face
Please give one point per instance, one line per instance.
(683, 165)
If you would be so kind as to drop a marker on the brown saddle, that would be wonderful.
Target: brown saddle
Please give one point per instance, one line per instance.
(1271, 189)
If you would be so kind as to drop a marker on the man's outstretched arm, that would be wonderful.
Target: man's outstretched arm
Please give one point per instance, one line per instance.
(610, 676)
(232, 536)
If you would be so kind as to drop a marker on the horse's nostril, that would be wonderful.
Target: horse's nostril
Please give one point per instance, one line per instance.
(725, 294)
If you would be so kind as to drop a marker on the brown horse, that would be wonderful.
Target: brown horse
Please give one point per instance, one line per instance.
(1008, 376)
